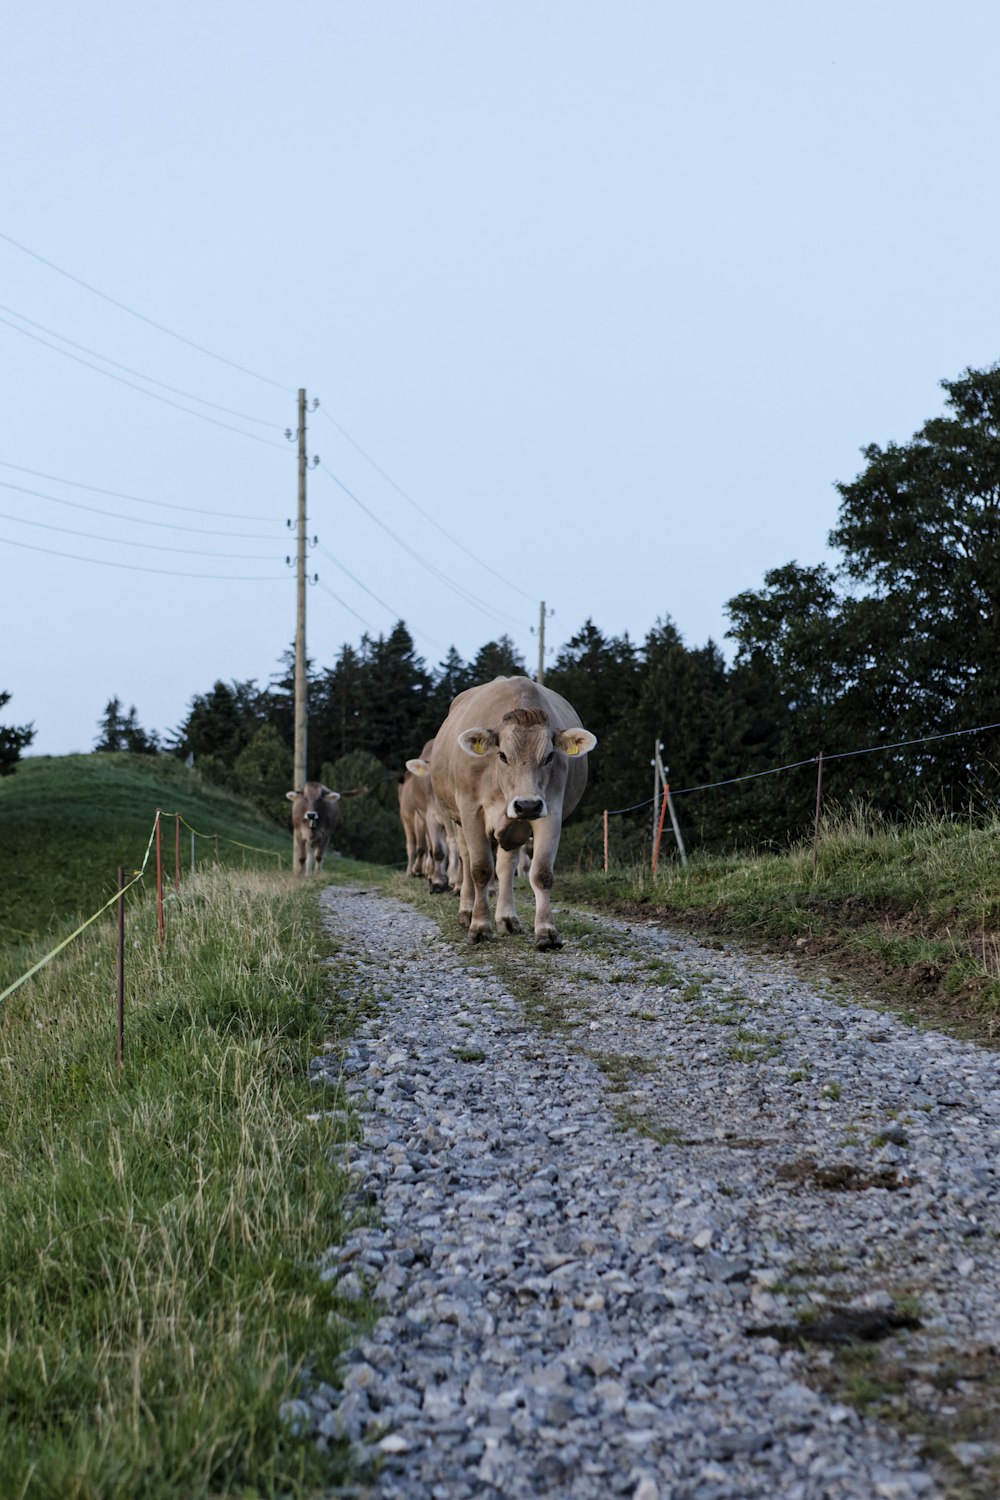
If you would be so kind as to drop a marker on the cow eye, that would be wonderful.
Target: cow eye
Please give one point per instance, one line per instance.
(502, 756)
(548, 758)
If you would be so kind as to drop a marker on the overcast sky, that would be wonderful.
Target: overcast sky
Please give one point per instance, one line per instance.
(612, 294)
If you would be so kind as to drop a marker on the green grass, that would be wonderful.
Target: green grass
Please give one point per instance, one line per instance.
(68, 822)
(160, 1229)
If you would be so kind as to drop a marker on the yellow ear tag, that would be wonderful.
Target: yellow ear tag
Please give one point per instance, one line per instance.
(573, 748)
(479, 746)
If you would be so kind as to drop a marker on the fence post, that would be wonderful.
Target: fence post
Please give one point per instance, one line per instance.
(192, 851)
(676, 826)
(216, 848)
(659, 827)
(121, 965)
(177, 854)
(819, 802)
(159, 879)
(605, 841)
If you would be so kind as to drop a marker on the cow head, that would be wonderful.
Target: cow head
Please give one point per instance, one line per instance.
(530, 758)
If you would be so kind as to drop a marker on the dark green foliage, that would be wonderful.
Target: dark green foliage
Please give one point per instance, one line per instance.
(263, 772)
(368, 827)
(121, 731)
(222, 722)
(13, 740)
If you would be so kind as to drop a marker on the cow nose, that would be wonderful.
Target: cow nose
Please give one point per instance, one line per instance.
(312, 817)
(528, 807)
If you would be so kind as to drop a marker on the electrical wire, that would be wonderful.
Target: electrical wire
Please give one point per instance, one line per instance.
(344, 605)
(152, 380)
(96, 489)
(116, 515)
(426, 514)
(161, 327)
(146, 546)
(105, 562)
(153, 395)
(462, 593)
(338, 564)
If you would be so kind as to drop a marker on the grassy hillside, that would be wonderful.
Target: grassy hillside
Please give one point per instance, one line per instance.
(68, 822)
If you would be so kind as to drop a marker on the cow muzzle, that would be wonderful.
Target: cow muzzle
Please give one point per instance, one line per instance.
(527, 808)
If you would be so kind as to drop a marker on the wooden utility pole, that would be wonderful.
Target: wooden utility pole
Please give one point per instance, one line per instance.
(541, 642)
(299, 770)
(662, 781)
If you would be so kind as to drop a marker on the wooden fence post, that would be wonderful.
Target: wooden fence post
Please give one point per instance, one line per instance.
(177, 854)
(159, 879)
(819, 803)
(605, 841)
(121, 965)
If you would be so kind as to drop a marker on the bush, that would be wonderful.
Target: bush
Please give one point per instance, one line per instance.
(369, 826)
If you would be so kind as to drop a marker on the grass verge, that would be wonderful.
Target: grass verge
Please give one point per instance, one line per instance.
(909, 911)
(160, 1230)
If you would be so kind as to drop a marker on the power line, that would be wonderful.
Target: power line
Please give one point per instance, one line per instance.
(394, 612)
(344, 605)
(105, 562)
(188, 395)
(153, 395)
(161, 327)
(96, 489)
(98, 510)
(146, 546)
(426, 514)
(436, 572)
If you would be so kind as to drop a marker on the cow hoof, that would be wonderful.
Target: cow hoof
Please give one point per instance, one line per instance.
(547, 937)
(508, 924)
(480, 935)
(465, 917)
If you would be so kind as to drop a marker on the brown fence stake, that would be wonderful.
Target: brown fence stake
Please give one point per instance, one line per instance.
(159, 878)
(659, 829)
(819, 803)
(121, 964)
(605, 841)
(177, 854)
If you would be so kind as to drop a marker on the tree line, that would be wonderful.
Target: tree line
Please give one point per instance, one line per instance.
(898, 640)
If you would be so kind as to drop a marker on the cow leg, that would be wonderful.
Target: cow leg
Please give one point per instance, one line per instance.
(300, 856)
(546, 834)
(477, 860)
(506, 915)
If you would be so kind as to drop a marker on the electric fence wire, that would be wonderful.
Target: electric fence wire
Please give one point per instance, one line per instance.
(812, 760)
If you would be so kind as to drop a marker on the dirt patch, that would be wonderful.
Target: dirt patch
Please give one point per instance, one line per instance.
(841, 1177)
(840, 1326)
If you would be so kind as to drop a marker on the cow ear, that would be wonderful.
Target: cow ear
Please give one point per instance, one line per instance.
(576, 741)
(479, 742)
(418, 766)
(292, 796)
(329, 796)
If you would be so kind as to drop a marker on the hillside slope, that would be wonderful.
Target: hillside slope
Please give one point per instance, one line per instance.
(68, 822)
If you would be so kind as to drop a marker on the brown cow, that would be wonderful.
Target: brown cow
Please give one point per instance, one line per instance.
(431, 840)
(314, 817)
(508, 765)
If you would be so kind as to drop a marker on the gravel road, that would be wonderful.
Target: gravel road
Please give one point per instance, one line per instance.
(611, 1189)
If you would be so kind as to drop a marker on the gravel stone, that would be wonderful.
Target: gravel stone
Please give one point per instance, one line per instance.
(592, 1241)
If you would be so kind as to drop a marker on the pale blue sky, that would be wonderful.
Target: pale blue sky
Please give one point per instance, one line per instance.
(615, 292)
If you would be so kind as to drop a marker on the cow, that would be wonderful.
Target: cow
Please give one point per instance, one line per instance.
(314, 817)
(508, 765)
(426, 848)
